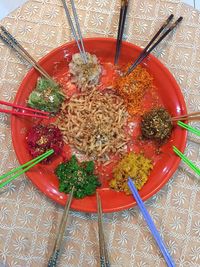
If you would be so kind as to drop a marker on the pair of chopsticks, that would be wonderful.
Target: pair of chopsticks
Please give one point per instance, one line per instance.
(153, 43)
(76, 30)
(151, 224)
(104, 260)
(56, 250)
(11, 41)
(122, 19)
(11, 175)
(30, 111)
(178, 152)
(189, 117)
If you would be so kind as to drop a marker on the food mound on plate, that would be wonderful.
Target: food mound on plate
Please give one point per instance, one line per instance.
(133, 87)
(78, 175)
(41, 138)
(95, 124)
(135, 166)
(85, 75)
(46, 96)
(156, 125)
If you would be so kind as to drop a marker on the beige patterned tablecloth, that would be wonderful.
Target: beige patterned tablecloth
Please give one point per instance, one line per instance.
(29, 220)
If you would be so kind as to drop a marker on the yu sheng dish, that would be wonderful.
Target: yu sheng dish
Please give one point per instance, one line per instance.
(95, 123)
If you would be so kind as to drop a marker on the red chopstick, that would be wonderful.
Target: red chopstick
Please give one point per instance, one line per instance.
(41, 115)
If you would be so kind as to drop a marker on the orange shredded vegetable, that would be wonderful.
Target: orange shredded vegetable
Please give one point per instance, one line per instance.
(133, 87)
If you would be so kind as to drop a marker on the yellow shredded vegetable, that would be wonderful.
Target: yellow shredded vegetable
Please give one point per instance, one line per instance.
(135, 166)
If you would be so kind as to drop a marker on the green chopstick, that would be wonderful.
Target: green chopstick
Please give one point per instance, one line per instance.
(189, 128)
(186, 160)
(23, 168)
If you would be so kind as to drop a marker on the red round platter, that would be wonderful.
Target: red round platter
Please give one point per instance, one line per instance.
(42, 176)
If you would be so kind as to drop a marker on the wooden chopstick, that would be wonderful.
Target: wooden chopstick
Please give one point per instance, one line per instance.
(148, 49)
(56, 250)
(190, 117)
(122, 19)
(79, 40)
(41, 115)
(13, 174)
(24, 56)
(104, 260)
(9, 35)
(11, 41)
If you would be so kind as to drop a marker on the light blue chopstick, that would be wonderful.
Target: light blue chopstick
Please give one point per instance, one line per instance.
(151, 224)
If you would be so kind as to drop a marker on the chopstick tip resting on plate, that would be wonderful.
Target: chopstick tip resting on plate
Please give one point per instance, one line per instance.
(153, 43)
(192, 130)
(12, 42)
(75, 29)
(13, 174)
(24, 111)
(186, 160)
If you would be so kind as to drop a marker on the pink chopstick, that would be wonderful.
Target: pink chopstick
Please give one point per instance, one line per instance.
(41, 115)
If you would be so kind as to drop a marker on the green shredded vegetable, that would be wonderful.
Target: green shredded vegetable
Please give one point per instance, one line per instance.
(80, 175)
(46, 96)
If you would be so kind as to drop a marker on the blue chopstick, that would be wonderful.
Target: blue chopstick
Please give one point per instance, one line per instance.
(151, 224)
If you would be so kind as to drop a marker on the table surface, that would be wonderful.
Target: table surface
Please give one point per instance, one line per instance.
(28, 219)
(194, 3)
(6, 6)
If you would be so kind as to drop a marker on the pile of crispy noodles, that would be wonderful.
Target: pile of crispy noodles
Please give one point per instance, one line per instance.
(93, 122)
(133, 87)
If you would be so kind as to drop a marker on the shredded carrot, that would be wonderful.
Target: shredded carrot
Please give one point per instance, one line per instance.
(133, 87)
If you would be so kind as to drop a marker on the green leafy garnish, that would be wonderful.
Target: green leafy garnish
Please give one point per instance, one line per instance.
(78, 175)
(46, 96)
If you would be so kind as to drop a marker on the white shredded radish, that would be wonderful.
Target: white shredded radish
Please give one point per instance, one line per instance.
(85, 76)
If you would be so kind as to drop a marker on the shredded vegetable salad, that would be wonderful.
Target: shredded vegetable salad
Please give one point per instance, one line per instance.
(78, 175)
